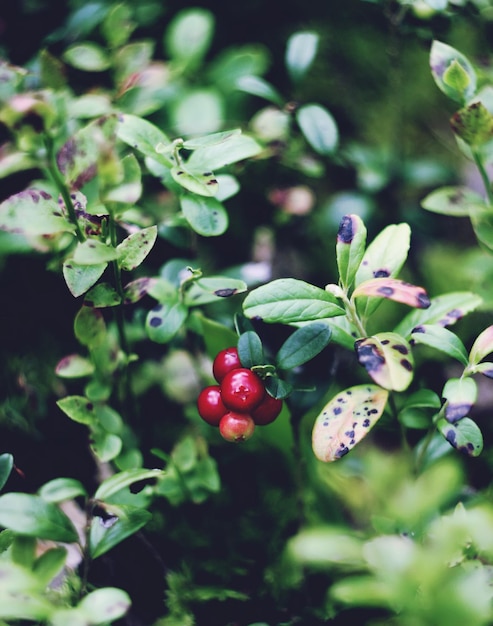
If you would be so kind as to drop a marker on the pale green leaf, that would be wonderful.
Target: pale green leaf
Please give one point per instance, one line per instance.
(318, 127)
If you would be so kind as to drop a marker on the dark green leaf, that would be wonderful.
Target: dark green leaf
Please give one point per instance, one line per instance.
(277, 387)
(101, 296)
(250, 349)
(304, 344)
(33, 516)
(90, 327)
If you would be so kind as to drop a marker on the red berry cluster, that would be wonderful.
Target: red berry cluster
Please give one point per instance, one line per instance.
(239, 402)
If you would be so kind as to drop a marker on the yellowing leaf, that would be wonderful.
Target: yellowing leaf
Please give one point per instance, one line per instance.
(346, 419)
(388, 360)
(394, 289)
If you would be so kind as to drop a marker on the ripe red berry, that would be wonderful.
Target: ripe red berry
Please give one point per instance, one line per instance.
(236, 427)
(267, 411)
(210, 405)
(225, 361)
(242, 390)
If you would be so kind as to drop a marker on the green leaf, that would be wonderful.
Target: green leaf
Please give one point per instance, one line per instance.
(80, 278)
(94, 252)
(319, 128)
(206, 216)
(119, 481)
(117, 25)
(289, 300)
(456, 201)
(393, 289)
(33, 212)
(6, 465)
(250, 349)
(212, 139)
(90, 327)
(212, 289)
(482, 223)
(277, 387)
(104, 605)
(121, 522)
(133, 250)
(444, 310)
(473, 124)
(101, 296)
(388, 360)
(79, 409)
(386, 254)
(452, 72)
(60, 489)
(461, 394)
(106, 446)
(138, 288)
(204, 184)
(257, 86)
(142, 136)
(303, 345)
(165, 320)
(441, 339)
(49, 564)
(189, 35)
(300, 52)
(346, 419)
(350, 248)
(211, 158)
(33, 516)
(88, 56)
(464, 435)
(482, 346)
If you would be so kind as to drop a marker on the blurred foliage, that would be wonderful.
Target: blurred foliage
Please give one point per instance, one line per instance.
(264, 533)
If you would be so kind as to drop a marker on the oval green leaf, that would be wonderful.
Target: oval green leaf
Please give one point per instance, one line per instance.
(119, 481)
(60, 489)
(105, 605)
(304, 344)
(122, 522)
(79, 409)
(89, 57)
(133, 250)
(165, 320)
(212, 289)
(33, 516)
(346, 419)
(257, 86)
(300, 52)
(289, 300)
(441, 339)
(90, 327)
(101, 296)
(206, 216)
(464, 435)
(250, 349)
(318, 127)
(456, 201)
(452, 72)
(80, 278)
(204, 184)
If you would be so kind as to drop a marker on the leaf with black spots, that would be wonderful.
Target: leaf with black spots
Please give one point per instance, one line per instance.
(133, 250)
(206, 216)
(33, 212)
(346, 420)
(165, 320)
(456, 201)
(213, 289)
(460, 394)
(465, 435)
(350, 248)
(388, 359)
(394, 289)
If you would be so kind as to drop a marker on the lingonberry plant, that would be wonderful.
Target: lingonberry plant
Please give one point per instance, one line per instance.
(195, 322)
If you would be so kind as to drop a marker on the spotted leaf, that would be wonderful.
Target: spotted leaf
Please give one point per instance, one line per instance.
(460, 394)
(346, 419)
(165, 320)
(456, 201)
(394, 289)
(80, 278)
(464, 436)
(350, 248)
(388, 360)
(482, 346)
(207, 216)
(202, 183)
(133, 250)
(386, 254)
(441, 339)
(444, 310)
(33, 212)
(213, 289)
